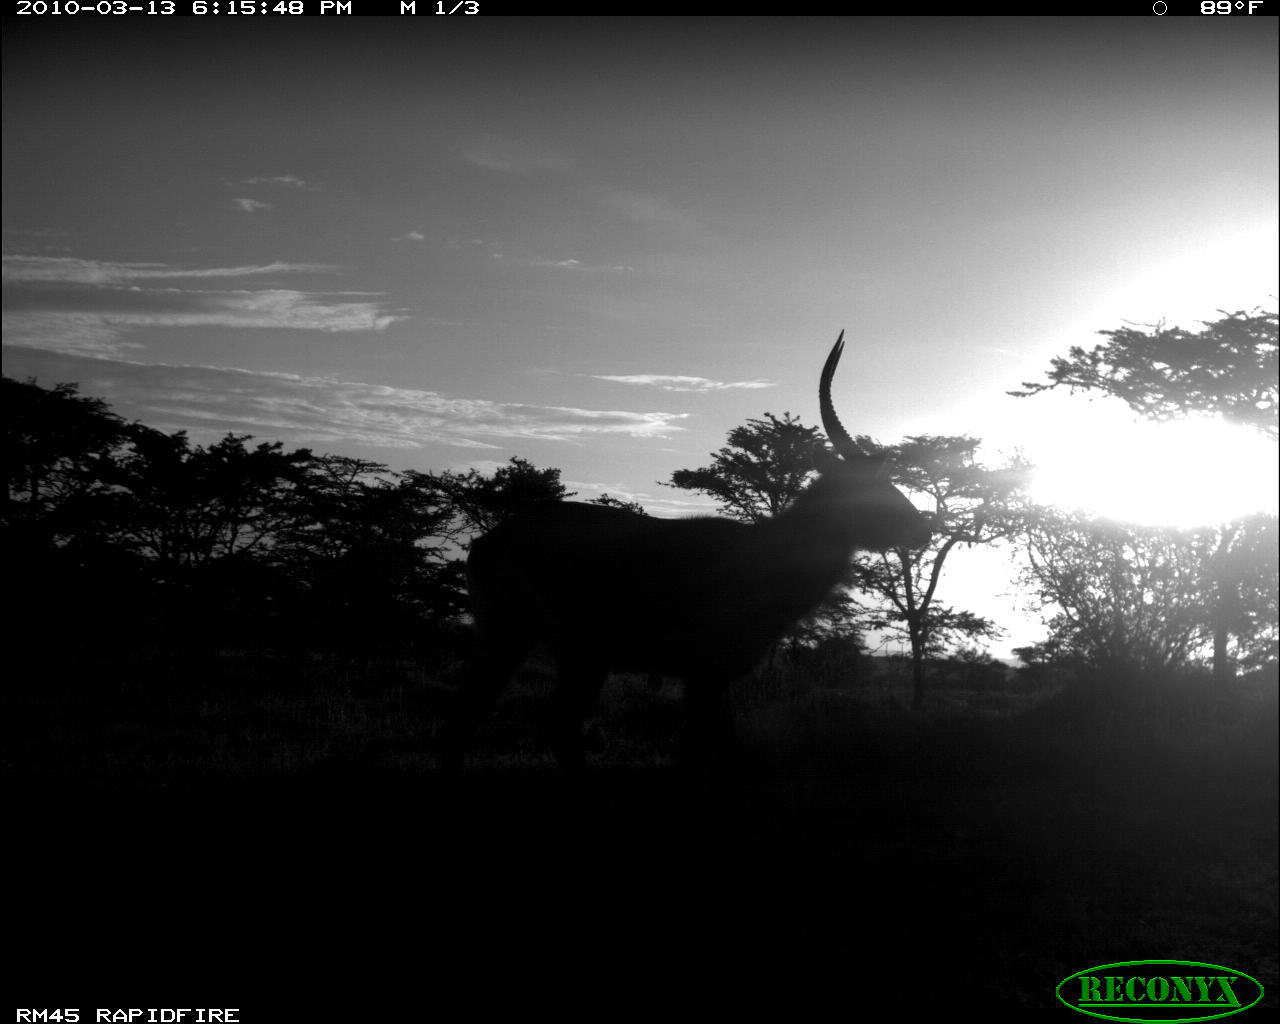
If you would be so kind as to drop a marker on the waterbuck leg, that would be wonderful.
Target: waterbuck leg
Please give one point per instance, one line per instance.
(711, 750)
(576, 691)
(474, 699)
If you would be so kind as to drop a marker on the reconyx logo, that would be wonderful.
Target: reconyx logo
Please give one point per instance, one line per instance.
(1172, 991)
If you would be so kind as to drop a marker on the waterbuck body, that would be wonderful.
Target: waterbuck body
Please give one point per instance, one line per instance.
(700, 599)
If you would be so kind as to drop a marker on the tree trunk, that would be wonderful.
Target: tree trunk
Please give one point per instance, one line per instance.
(1226, 608)
(1222, 665)
(1225, 611)
(917, 670)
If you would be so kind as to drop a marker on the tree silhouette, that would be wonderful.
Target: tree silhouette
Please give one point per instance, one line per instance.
(760, 471)
(65, 570)
(973, 505)
(1145, 598)
(182, 505)
(134, 539)
(1228, 370)
(58, 449)
(365, 559)
(476, 503)
(609, 501)
(1128, 598)
(203, 522)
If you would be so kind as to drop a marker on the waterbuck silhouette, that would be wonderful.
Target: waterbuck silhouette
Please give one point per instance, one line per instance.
(699, 599)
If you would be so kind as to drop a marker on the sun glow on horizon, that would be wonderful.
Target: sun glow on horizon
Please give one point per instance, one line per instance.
(1184, 473)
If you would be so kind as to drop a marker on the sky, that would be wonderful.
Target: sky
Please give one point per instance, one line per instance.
(601, 244)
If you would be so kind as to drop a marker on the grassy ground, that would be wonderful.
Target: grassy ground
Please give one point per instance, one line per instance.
(204, 832)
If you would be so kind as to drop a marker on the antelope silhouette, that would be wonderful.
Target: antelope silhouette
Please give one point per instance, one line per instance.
(701, 599)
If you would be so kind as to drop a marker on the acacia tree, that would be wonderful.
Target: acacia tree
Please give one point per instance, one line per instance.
(609, 501)
(204, 523)
(58, 449)
(1253, 567)
(465, 505)
(760, 471)
(184, 505)
(1227, 370)
(1141, 598)
(145, 540)
(475, 503)
(973, 505)
(63, 572)
(366, 572)
(1126, 598)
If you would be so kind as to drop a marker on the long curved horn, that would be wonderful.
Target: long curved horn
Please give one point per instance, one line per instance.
(840, 438)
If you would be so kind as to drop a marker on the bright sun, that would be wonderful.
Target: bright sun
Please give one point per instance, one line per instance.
(1187, 473)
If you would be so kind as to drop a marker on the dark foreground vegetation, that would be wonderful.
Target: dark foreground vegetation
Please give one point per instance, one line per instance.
(281, 825)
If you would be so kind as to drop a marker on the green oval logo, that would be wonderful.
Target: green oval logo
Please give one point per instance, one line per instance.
(1173, 991)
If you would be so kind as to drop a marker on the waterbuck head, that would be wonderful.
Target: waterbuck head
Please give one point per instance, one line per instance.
(854, 490)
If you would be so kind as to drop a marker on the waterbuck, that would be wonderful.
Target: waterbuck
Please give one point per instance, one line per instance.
(701, 599)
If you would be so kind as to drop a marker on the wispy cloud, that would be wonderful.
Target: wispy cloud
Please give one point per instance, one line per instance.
(106, 331)
(249, 205)
(288, 180)
(93, 307)
(70, 270)
(562, 263)
(317, 411)
(673, 382)
(647, 209)
(410, 236)
(85, 334)
(512, 156)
